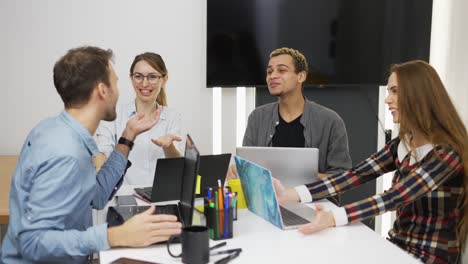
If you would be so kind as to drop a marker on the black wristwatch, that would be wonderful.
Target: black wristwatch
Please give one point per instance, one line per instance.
(126, 142)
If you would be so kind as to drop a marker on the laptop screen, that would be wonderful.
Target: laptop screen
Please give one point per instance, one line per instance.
(189, 178)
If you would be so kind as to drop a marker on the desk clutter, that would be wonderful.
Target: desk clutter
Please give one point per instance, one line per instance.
(236, 188)
(220, 209)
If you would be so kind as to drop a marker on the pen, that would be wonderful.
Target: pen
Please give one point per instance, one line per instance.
(222, 244)
(209, 193)
(228, 251)
(226, 215)
(228, 258)
(141, 198)
(212, 223)
(221, 209)
(220, 195)
(234, 202)
(234, 208)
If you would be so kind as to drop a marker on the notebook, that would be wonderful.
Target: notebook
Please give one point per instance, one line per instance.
(168, 177)
(116, 215)
(261, 199)
(292, 166)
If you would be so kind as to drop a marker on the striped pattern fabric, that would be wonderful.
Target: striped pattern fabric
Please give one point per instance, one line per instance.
(426, 197)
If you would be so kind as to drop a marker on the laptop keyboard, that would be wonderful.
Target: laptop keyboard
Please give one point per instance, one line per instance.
(291, 219)
(147, 193)
(117, 215)
(170, 209)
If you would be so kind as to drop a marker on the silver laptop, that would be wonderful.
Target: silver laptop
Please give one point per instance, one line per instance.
(293, 166)
(260, 196)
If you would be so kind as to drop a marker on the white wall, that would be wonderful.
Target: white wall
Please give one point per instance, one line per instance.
(34, 34)
(449, 56)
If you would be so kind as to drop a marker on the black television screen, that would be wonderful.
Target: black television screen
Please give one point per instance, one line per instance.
(345, 42)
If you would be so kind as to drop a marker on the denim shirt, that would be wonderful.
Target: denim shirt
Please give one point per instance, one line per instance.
(53, 191)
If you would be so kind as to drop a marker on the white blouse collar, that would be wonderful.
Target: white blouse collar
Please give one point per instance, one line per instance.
(418, 153)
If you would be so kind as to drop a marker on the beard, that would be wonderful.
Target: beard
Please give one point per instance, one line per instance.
(110, 115)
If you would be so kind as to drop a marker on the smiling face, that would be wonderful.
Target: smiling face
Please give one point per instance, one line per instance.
(281, 75)
(392, 97)
(147, 88)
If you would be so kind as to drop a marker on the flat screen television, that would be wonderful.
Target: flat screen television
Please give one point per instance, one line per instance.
(344, 41)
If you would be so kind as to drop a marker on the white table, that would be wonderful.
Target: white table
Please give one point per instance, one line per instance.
(262, 242)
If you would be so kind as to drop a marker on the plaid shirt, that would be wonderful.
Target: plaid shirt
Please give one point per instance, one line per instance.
(427, 198)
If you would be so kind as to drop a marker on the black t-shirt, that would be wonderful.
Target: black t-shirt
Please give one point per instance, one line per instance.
(289, 134)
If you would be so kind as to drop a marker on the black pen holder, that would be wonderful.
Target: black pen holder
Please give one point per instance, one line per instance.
(219, 222)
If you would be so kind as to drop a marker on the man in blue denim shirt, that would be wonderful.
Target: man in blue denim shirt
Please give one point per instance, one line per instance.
(55, 187)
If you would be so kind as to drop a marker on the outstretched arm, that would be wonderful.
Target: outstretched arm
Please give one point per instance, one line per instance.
(369, 169)
(111, 173)
(435, 171)
(166, 142)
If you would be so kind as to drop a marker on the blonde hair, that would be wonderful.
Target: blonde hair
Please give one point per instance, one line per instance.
(155, 61)
(425, 106)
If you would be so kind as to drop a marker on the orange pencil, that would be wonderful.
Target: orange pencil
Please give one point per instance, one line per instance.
(220, 196)
(220, 208)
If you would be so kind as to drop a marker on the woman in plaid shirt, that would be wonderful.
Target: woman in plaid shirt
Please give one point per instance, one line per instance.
(430, 160)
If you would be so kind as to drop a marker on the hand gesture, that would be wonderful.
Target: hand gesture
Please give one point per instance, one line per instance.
(322, 220)
(285, 195)
(141, 123)
(144, 229)
(166, 140)
(232, 172)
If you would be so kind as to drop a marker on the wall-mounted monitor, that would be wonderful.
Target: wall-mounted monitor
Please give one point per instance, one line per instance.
(344, 41)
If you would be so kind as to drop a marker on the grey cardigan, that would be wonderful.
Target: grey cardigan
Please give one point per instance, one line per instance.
(323, 129)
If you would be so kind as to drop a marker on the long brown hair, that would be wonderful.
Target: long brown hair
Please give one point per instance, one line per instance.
(155, 61)
(425, 106)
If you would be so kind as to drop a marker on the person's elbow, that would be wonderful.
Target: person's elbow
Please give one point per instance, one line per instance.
(99, 204)
(31, 248)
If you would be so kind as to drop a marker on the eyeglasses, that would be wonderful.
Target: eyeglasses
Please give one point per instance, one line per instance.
(152, 78)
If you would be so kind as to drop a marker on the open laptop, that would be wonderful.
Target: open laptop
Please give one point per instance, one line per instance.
(261, 199)
(212, 169)
(167, 181)
(292, 166)
(168, 177)
(116, 215)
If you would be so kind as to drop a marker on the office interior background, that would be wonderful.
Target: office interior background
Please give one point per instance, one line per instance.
(34, 34)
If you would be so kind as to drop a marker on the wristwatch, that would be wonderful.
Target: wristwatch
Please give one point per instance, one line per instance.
(126, 142)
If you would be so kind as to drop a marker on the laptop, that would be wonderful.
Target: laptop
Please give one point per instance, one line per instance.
(292, 166)
(261, 199)
(116, 215)
(168, 177)
(212, 169)
(167, 181)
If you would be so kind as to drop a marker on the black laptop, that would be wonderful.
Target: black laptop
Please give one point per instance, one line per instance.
(167, 183)
(116, 215)
(168, 177)
(212, 169)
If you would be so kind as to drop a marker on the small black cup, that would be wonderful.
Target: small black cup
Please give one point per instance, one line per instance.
(195, 245)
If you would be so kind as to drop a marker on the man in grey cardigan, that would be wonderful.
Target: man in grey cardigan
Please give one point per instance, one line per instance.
(294, 121)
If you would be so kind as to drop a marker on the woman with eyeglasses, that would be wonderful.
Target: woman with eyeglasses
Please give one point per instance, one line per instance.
(149, 76)
(429, 159)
